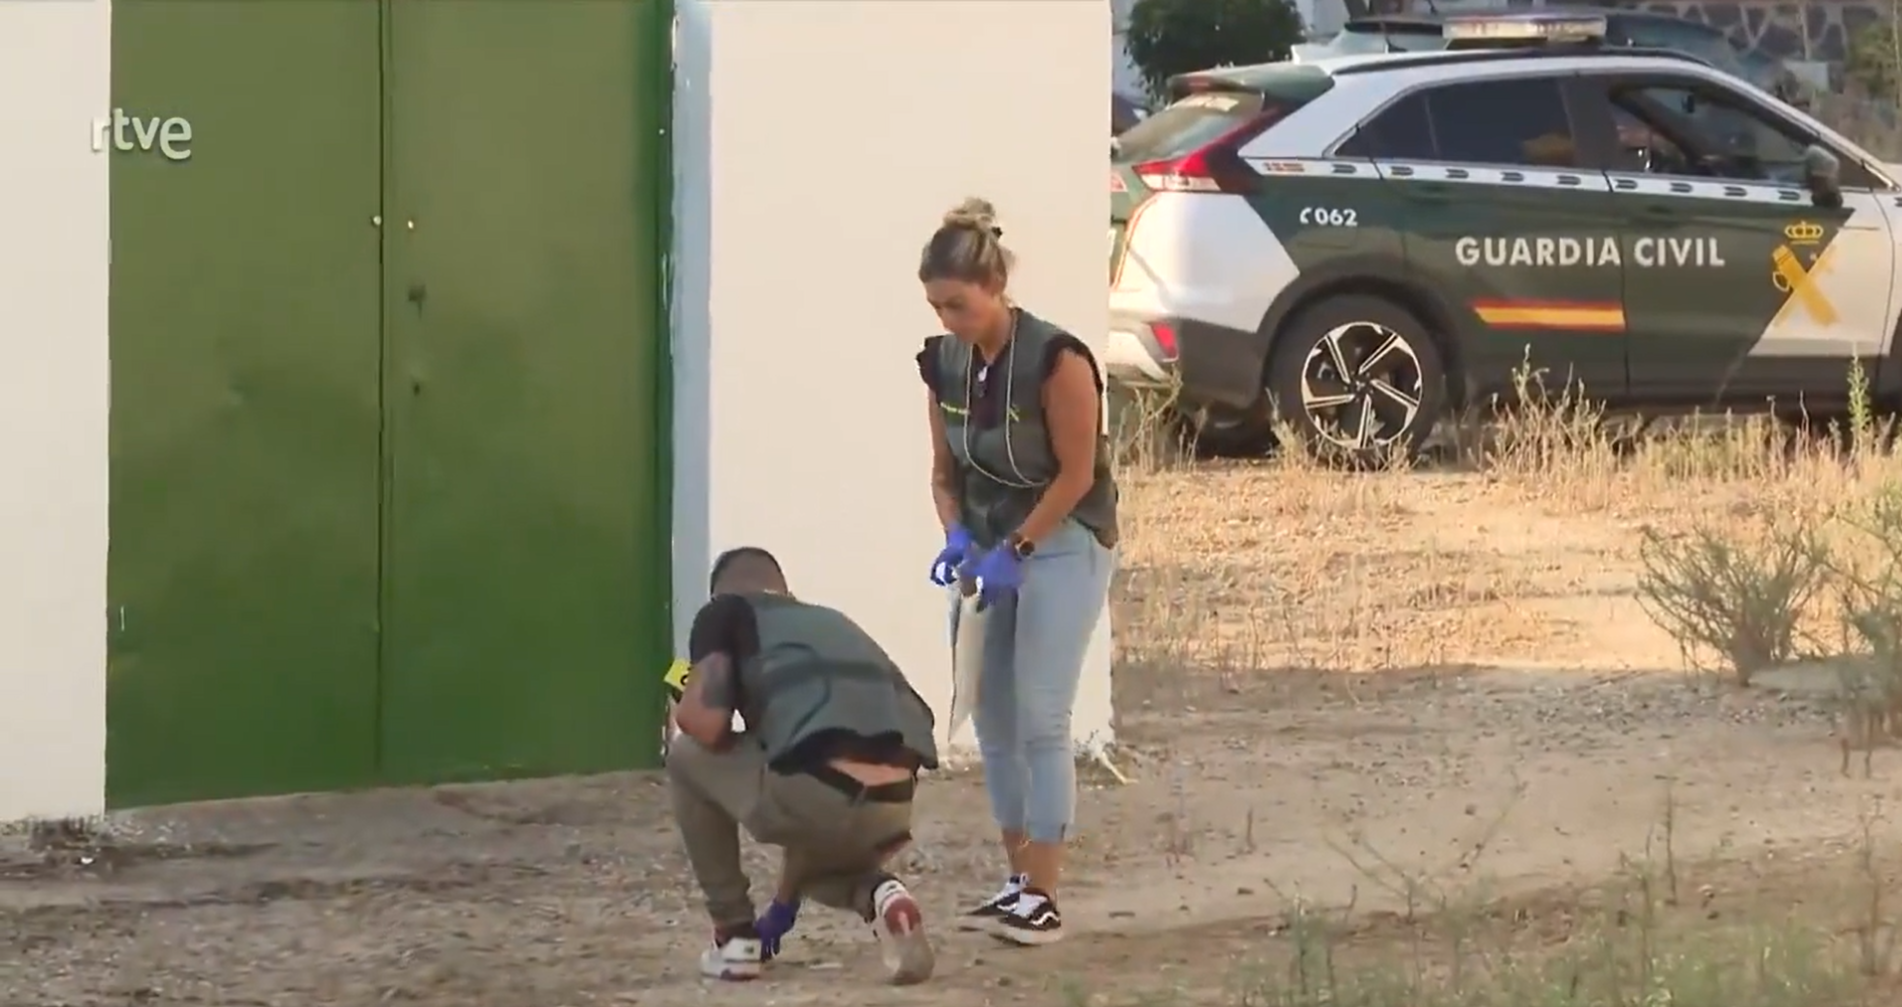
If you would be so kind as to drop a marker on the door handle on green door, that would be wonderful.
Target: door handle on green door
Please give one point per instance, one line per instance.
(417, 292)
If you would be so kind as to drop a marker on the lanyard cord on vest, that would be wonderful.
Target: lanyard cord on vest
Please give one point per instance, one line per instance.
(1009, 361)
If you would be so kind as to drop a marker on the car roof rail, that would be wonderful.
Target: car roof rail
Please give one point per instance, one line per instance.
(1456, 57)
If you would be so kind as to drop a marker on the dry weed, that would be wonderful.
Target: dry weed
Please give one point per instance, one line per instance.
(1738, 592)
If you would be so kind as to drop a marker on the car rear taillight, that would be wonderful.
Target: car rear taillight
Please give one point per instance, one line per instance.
(1165, 339)
(1214, 167)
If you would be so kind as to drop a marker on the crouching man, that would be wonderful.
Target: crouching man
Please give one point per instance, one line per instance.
(825, 768)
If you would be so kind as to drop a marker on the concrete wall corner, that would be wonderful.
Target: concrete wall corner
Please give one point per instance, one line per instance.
(55, 80)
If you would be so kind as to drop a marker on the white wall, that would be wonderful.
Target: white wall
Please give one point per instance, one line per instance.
(817, 144)
(55, 63)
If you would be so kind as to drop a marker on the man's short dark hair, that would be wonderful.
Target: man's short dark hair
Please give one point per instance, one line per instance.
(746, 556)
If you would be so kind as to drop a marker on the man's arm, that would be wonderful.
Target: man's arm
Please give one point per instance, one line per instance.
(705, 711)
(723, 634)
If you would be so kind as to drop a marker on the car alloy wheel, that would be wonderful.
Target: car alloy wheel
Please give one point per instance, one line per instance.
(1362, 385)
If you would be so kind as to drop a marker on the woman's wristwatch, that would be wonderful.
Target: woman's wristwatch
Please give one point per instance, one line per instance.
(1021, 547)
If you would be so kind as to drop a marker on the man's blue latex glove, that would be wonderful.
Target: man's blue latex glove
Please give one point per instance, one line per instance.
(999, 573)
(957, 551)
(773, 925)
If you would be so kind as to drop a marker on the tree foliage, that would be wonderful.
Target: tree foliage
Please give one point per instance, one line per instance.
(1168, 37)
(1874, 53)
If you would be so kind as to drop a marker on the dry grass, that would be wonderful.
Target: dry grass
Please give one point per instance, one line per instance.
(1714, 546)
(1658, 933)
(1553, 501)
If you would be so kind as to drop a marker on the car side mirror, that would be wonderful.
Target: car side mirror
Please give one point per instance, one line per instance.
(1823, 177)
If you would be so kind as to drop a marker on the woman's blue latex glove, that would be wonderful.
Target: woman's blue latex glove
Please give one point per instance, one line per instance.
(773, 925)
(999, 573)
(957, 550)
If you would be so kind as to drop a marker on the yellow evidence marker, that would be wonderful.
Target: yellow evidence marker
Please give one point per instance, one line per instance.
(676, 679)
(676, 682)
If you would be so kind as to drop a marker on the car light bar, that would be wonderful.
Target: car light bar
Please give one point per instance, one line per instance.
(1526, 27)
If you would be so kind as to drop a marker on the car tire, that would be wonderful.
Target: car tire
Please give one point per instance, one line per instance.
(1389, 398)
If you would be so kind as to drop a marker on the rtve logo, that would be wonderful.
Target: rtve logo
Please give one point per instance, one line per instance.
(170, 135)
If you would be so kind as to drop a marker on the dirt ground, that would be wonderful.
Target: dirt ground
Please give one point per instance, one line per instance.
(1343, 690)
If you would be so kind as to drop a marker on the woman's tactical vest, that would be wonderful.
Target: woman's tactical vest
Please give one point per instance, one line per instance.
(816, 673)
(1003, 467)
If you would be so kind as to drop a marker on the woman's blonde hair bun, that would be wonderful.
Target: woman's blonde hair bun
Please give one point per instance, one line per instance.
(976, 214)
(966, 247)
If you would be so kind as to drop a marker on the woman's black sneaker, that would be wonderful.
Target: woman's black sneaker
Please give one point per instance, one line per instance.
(1033, 920)
(988, 912)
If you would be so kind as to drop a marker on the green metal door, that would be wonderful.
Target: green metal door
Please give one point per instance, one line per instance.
(525, 545)
(245, 412)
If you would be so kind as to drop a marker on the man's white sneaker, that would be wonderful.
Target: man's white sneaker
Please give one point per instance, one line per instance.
(900, 927)
(735, 959)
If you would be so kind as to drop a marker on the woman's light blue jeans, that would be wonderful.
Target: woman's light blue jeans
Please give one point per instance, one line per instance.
(1032, 654)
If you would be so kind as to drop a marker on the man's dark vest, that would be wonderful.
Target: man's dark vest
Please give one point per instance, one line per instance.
(1004, 467)
(816, 673)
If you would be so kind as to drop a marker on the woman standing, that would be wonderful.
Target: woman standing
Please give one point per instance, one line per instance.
(1020, 475)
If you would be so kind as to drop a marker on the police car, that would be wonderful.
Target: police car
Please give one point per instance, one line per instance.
(1365, 242)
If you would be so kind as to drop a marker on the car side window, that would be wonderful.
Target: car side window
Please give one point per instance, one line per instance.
(1643, 149)
(1730, 139)
(1399, 132)
(1516, 121)
(1512, 121)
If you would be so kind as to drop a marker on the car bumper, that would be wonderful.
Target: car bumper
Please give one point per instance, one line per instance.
(1197, 361)
(1133, 358)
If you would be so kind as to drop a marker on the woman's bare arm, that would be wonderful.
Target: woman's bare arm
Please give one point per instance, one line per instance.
(944, 467)
(1070, 407)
